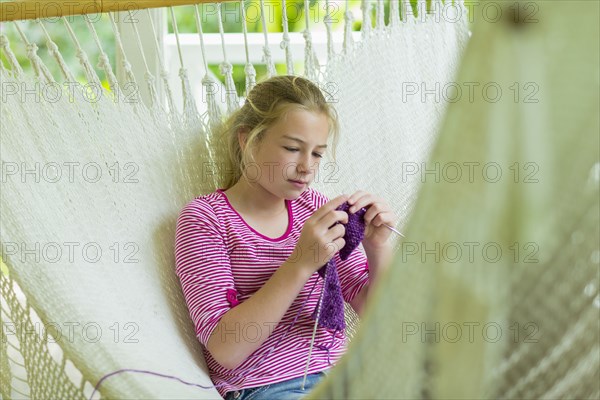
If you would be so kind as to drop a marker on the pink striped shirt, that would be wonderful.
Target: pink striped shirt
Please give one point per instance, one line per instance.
(221, 261)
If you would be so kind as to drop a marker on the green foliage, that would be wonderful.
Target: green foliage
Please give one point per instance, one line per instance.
(186, 23)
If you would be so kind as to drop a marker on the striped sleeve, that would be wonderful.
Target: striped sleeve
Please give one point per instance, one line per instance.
(203, 267)
(354, 271)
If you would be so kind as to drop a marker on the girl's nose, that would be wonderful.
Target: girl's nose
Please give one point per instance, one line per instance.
(304, 165)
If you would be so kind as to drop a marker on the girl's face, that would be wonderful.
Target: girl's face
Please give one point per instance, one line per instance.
(291, 151)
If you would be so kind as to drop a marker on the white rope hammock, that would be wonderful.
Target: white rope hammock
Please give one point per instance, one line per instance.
(91, 250)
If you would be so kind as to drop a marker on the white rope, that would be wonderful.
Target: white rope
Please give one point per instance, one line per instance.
(104, 61)
(190, 111)
(164, 74)
(422, 8)
(268, 60)
(285, 43)
(176, 32)
(90, 74)
(213, 110)
(155, 104)
(201, 35)
(249, 68)
(125, 63)
(3, 69)
(366, 21)
(15, 67)
(41, 71)
(130, 85)
(310, 59)
(227, 70)
(406, 10)
(380, 15)
(330, 51)
(54, 51)
(214, 113)
(437, 7)
(394, 13)
(348, 25)
(220, 24)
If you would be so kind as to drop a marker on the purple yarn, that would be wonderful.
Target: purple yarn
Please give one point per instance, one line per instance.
(332, 304)
(355, 230)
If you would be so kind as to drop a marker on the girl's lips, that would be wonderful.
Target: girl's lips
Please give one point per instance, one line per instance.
(298, 184)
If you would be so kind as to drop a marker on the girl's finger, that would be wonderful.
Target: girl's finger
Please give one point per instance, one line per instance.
(374, 209)
(381, 217)
(355, 196)
(363, 201)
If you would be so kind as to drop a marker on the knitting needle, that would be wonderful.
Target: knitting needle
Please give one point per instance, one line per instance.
(393, 229)
(312, 340)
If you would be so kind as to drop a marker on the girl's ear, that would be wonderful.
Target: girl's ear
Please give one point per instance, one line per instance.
(242, 137)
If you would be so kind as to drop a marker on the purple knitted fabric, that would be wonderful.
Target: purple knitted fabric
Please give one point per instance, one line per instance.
(332, 304)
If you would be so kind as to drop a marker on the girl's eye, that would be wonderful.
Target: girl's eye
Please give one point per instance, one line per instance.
(293, 150)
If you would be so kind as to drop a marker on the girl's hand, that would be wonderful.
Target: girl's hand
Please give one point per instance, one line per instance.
(378, 213)
(321, 236)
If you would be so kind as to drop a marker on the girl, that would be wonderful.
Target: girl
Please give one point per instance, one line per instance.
(246, 254)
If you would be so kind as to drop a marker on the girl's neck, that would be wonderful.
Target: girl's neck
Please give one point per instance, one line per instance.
(254, 199)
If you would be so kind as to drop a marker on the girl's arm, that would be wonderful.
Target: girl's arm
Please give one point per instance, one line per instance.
(379, 261)
(261, 312)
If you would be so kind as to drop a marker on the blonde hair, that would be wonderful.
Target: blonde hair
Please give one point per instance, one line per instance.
(269, 101)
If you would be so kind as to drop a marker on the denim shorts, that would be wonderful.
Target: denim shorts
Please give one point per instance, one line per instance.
(286, 390)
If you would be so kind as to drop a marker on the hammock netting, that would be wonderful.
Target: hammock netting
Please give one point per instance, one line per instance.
(493, 292)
